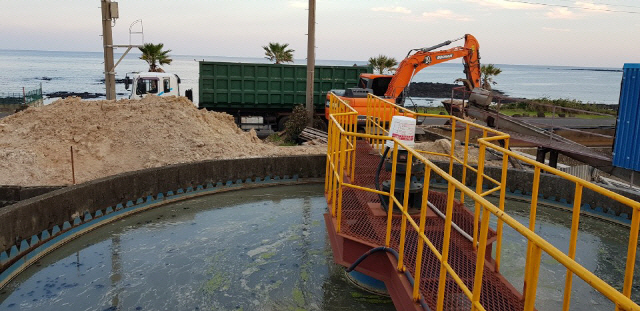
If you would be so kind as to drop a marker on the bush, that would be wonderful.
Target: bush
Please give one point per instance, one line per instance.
(540, 114)
(517, 115)
(561, 115)
(298, 120)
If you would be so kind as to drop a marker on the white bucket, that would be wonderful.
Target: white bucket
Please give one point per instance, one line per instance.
(403, 129)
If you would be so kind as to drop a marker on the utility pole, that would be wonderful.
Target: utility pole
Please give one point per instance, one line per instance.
(109, 12)
(311, 59)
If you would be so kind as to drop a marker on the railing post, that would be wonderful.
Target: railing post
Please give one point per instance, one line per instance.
(394, 165)
(575, 222)
(423, 218)
(334, 154)
(503, 187)
(453, 145)
(353, 152)
(482, 248)
(479, 182)
(367, 121)
(631, 252)
(343, 151)
(532, 280)
(405, 206)
(327, 176)
(532, 222)
(466, 160)
(445, 246)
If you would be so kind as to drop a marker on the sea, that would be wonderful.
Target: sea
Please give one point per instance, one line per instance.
(59, 71)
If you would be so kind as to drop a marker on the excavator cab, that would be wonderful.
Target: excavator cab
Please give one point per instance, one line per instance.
(378, 84)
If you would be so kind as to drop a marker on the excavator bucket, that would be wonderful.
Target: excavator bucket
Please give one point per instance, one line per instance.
(480, 97)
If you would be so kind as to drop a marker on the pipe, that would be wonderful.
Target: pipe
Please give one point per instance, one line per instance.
(376, 180)
(423, 303)
(439, 213)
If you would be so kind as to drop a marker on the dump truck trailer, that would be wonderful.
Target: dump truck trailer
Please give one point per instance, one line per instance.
(262, 96)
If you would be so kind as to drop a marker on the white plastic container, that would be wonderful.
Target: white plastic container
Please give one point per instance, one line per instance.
(403, 129)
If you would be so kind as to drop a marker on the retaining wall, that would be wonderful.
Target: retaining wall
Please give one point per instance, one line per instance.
(35, 226)
(13, 194)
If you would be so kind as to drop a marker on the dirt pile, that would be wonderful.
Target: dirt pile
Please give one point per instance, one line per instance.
(110, 137)
(444, 146)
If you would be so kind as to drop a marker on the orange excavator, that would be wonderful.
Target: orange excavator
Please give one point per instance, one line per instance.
(392, 87)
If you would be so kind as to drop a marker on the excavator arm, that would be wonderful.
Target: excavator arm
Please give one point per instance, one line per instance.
(426, 57)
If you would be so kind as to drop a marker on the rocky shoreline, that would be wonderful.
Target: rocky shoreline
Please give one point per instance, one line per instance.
(416, 89)
(437, 90)
(83, 95)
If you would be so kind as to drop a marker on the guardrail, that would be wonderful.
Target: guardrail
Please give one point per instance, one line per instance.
(25, 97)
(341, 161)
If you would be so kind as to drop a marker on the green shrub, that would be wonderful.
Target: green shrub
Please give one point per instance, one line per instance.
(298, 120)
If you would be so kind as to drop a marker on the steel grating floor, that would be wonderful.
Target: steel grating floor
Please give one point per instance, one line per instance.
(358, 221)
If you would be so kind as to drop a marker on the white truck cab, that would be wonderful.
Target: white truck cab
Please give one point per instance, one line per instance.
(156, 83)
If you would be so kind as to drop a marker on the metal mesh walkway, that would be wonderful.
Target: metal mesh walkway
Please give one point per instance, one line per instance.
(359, 222)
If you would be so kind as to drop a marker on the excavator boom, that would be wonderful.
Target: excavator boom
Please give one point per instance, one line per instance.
(426, 57)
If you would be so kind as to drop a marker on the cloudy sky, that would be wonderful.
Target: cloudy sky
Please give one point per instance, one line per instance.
(596, 33)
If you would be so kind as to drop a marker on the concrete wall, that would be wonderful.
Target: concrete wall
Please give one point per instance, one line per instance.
(29, 224)
(12, 194)
(38, 224)
(552, 188)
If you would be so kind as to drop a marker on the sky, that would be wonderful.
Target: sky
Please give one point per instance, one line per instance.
(585, 33)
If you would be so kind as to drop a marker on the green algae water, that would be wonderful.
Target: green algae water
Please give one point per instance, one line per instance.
(261, 249)
(601, 249)
(267, 249)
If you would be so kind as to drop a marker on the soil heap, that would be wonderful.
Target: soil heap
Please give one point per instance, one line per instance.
(111, 137)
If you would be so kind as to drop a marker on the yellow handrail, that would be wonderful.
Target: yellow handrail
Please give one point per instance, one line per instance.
(341, 161)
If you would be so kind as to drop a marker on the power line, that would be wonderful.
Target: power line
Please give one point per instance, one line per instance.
(573, 7)
(609, 4)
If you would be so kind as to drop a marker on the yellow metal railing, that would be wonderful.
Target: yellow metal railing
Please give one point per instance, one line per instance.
(341, 158)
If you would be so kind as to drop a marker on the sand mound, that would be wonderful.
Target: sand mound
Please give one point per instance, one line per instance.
(444, 146)
(110, 137)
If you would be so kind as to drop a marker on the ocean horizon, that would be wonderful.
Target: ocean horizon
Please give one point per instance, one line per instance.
(64, 71)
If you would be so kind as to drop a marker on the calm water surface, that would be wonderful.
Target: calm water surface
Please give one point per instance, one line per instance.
(267, 249)
(263, 249)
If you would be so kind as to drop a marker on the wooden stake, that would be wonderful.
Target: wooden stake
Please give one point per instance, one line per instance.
(73, 171)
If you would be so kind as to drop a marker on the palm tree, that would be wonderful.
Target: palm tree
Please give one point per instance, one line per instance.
(278, 52)
(155, 56)
(488, 72)
(382, 63)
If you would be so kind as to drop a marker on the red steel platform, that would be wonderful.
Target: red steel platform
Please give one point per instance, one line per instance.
(363, 227)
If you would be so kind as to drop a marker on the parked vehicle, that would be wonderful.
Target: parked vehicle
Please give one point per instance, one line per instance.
(262, 96)
(156, 83)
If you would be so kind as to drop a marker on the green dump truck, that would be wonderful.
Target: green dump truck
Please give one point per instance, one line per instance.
(262, 96)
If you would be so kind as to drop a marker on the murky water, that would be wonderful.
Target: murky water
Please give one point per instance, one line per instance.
(601, 248)
(263, 249)
(267, 249)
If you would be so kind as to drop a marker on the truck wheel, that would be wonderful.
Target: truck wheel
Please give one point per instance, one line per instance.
(320, 124)
(282, 122)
